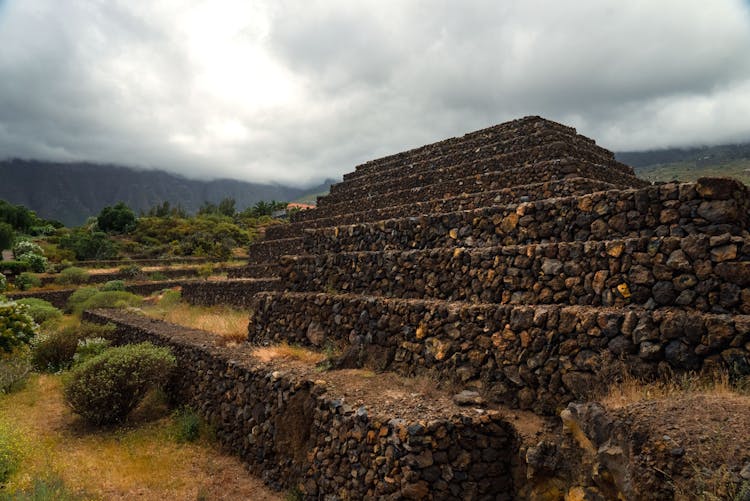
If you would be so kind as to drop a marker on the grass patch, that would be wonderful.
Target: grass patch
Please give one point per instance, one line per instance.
(631, 390)
(141, 460)
(228, 323)
(289, 352)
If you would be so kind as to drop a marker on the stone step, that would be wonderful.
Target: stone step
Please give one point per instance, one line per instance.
(701, 272)
(490, 176)
(710, 206)
(335, 434)
(534, 357)
(268, 251)
(528, 125)
(492, 181)
(519, 151)
(236, 292)
(261, 270)
(329, 216)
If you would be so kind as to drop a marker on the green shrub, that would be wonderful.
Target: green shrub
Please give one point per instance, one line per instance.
(40, 310)
(26, 281)
(205, 270)
(11, 451)
(57, 349)
(72, 275)
(109, 299)
(114, 285)
(17, 328)
(35, 262)
(3, 282)
(187, 425)
(13, 267)
(79, 297)
(15, 367)
(89, 348)
(170, 297)
(157, 276)
(24, 246)
(131, 271)
(104, 389)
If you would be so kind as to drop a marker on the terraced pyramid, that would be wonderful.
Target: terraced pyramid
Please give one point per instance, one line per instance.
(521, 263)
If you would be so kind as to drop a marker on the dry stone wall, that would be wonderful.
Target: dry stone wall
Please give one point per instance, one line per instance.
(697, 271)
(237, 292)
(533, 357)
(661, 210)
(465, 201)
(293, 432)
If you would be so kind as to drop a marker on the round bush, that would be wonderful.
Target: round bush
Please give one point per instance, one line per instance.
(3, 282)
(72, 275)
(58, 349)
(26, 281)
(114, 285)
(109, 299)
(40, 310)
(37, 263)
(79, 297)
(22, 247)
(15, 367)
(104, 389)
(17, 328)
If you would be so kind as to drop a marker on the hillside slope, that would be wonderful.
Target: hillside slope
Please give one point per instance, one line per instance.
(691, 163)
(71, 192)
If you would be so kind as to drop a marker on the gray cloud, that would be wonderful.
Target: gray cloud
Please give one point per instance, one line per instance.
(295, 91)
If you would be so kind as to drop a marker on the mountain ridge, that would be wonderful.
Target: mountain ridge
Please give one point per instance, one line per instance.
(71, 192)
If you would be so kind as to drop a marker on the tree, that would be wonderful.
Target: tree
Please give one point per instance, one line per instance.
(227, 207)
(117, 219)
(7, 236)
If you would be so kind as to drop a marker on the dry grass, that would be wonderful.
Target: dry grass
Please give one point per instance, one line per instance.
(285, 351)
(229, 323)
(631, 390)
(140, 461)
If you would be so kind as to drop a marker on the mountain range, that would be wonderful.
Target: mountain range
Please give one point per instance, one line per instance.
(71, 192)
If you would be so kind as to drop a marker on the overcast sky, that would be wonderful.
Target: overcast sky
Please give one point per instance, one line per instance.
(295, 91)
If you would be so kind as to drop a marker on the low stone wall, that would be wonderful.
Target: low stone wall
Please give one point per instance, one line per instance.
(697, 271)
(293, 432)
(539, 357)
(268, 251)
(261, 270)
(59, 298)
(238, 292)
(710, 206)
(99, 278)
(331, 215)
(106, 263)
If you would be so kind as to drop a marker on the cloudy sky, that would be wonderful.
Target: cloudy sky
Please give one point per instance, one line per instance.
(295, 91)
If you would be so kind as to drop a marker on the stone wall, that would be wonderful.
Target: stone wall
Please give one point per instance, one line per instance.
(537, 357)
(697, 271)
(237, 292)
(293, 432)
(59, 298)
(712, 207)
(471, 164)
(331, 216)
(98, 278)
(553, 170)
